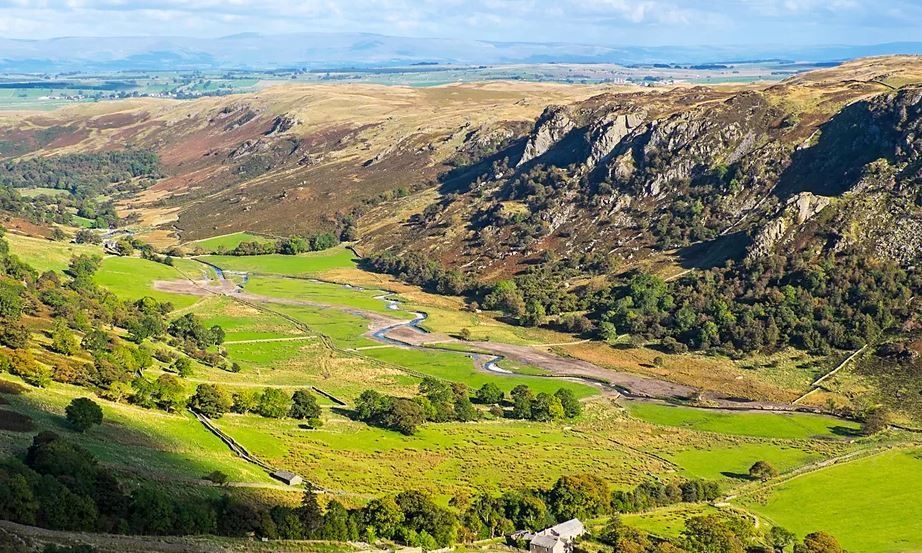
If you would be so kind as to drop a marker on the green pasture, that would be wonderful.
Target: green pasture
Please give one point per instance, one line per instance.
(133, 278)
(733, 461)
(744, 423)
(667, 522)
(322, 292)
(142, 443)
(47, 255)
(304, 264)
(871, 505)
(229, 241)
(442, 458)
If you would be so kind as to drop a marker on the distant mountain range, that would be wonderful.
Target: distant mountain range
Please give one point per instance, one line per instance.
(336, 50)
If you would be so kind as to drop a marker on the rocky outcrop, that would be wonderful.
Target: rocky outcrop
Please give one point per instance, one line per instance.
(282, 124)
(550, 128)
(797, 211)
(606, 134)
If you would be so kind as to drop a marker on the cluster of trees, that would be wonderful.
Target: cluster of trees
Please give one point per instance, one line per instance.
(420, 270)
(84, 175)
(544, 406)
(840, 302)
(437, 401)
(61, 486)
(649, 495)
(61, 209)
(76, 305)
(440, 401)
(285, 246)
(214, 401)
(719, 533)
(580, 496)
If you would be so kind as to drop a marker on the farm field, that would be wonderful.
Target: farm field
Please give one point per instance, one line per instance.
(871, 504)
(47, 255)
(133, 278)
(760, 424)
(308, 264)
(324, 342)
(228, 241)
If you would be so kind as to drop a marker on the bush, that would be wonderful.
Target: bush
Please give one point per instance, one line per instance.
(83, 413)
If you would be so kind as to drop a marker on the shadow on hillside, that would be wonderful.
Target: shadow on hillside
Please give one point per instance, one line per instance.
(846, 431)
(850, 140)
(716, 252)
(736, 475)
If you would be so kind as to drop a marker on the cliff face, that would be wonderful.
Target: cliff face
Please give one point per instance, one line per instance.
(813, 163)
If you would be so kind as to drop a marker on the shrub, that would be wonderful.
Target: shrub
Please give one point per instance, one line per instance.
(83, 413)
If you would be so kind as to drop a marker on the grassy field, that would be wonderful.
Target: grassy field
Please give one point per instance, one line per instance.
(733, 461)
(442, 458)
(871, 505)
(294, 346)
(47, 255)
(138, 442)
(764, 425)
(306, 264)
(228, 241)
(323, 292)
(667, 522)
(133, 278)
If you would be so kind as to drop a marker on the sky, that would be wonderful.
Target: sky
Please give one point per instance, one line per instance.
(603, 22)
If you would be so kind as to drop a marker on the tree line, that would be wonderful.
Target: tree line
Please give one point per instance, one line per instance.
(440, 401)
(292, 245)
(841, 301)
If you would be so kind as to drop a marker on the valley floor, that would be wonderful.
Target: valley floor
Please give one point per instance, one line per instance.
(315, 321)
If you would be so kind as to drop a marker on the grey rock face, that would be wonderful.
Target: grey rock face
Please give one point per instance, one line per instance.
(797, 211)
(552, 126)
(606, 134)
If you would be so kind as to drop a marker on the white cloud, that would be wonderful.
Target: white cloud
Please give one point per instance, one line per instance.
(599, 21)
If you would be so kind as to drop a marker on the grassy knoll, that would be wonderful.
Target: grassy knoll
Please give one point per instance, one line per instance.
(47, 255)
(294, 265)
(228, 241)
(870, 504)
(765, 425)
(140, 442)
(133, 278)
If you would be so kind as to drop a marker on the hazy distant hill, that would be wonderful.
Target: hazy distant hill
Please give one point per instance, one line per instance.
(326, 50)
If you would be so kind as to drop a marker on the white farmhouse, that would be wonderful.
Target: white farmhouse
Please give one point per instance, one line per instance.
(557, 539)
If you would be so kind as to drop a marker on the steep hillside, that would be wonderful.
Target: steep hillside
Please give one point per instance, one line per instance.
(702, 173)
(289, 159)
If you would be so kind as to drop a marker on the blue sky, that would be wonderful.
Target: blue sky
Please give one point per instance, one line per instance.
(608, 22)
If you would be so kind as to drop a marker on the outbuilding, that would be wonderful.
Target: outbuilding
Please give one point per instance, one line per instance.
(289, 478)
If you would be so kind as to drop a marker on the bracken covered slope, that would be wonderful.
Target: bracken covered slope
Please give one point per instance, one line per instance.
(289, 159)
